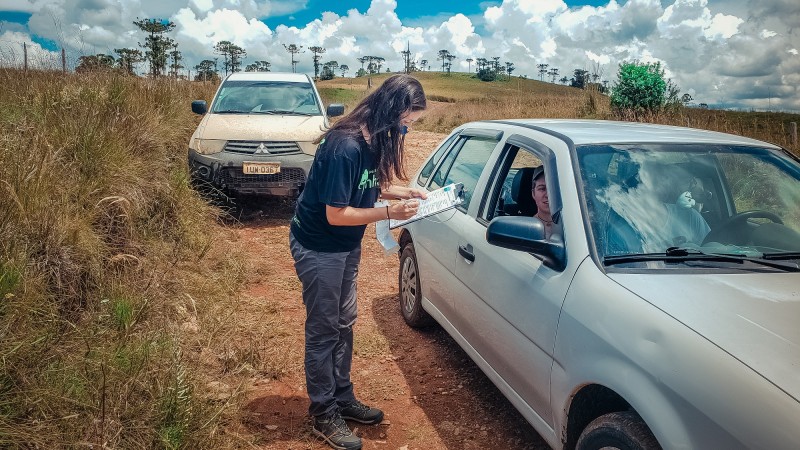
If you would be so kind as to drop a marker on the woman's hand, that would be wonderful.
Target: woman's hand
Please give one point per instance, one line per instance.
(403, 210)
(417, 193)
(394, 192)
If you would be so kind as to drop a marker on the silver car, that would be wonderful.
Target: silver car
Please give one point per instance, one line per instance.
(663, 311)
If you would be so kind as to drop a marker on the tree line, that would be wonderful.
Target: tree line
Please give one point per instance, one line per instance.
(161, 52)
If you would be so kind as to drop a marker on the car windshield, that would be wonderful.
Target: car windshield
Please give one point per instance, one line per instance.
(266, 97)
(660, 205)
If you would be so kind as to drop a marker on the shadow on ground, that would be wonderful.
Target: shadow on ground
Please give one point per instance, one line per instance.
(468, 411)
(249, 210)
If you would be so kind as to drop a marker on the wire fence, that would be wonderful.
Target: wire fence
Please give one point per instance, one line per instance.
(20, 55)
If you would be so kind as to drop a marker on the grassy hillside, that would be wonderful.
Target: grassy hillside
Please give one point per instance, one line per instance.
(110, 266)
(459, 98)
(120, 315)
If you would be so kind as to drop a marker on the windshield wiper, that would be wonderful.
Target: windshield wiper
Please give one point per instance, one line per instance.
(677, 254)
(284, 111)
(781, 255)
(231, 111)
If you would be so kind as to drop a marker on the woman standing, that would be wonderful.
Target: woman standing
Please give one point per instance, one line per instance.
(356, 161)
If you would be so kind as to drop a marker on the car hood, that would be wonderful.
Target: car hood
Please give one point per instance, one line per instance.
(753, 317)
(256, 127)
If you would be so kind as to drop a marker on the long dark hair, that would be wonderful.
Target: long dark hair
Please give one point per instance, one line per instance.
(380, 114)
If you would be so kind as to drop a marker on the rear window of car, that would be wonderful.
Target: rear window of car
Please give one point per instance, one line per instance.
(266, 97)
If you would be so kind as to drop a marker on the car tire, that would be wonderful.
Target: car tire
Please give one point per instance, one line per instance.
(618, 430)
(411, 290)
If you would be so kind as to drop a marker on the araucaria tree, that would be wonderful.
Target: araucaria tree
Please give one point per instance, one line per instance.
(232, 55)
(450, 57)
(293, 49)
(206, 71)
(96, 62)
(641, 88)
(329, 70)
(156, 44)
(317, 51)
(443, 56)
(128, 59)
(175, 60)
(258, 66)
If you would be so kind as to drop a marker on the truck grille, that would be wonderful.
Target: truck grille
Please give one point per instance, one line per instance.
(233, 177)
(265, 147)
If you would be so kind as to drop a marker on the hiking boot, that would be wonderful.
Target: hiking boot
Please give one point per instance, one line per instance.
(335, 432)
(360, 413)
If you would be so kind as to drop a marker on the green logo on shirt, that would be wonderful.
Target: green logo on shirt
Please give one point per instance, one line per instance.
(368, 180)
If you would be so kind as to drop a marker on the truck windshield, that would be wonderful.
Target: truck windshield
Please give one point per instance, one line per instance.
(266, 97)
(683, 200)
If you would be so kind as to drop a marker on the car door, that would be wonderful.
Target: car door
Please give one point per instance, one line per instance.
(509, 310)
(436, 237)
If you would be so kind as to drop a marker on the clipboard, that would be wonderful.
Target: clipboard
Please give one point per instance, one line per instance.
(439, 200)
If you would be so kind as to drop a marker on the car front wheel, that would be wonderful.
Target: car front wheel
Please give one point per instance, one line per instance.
(410, 290)
(618, 430)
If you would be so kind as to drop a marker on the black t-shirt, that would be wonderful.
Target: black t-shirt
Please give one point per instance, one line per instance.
(344, 173)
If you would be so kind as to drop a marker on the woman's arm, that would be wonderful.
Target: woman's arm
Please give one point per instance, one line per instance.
(394, 192)
(349, 216)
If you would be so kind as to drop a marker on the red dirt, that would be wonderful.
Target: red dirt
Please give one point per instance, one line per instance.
(433, 395)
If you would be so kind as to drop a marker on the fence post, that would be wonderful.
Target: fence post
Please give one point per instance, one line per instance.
(793, 132)
(25, 55)
(63, 61)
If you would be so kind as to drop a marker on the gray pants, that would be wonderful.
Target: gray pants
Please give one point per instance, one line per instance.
(329, 294)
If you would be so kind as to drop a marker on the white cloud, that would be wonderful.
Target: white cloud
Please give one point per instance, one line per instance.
(600, 59)
(723, 25)
(12, 52)
(718, 49)
(766, 34)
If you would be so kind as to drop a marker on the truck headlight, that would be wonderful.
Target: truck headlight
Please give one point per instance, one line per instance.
(208, 146)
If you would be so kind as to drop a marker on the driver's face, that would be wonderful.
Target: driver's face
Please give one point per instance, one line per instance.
(539, 193)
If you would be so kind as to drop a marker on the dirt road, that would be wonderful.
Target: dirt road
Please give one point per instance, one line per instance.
(433, 395)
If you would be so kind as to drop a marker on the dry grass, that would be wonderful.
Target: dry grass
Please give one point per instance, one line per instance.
(460, 98)
(109, 264)
(121, 318)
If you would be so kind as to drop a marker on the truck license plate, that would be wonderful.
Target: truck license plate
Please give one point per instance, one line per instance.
(261, 168)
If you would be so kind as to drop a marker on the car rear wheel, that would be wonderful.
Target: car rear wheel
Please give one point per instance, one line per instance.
(410, 290)
(617, 430)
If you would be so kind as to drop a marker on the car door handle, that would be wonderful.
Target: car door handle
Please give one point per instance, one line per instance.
(466, 252)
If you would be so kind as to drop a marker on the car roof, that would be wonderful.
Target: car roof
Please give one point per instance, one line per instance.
(608, 132)
(269, 76)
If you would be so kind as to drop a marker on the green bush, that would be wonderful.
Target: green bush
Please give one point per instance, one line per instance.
(642, 88)
(487, 75)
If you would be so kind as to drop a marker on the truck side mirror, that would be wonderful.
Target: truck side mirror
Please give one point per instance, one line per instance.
(199, 107)
(335, 109)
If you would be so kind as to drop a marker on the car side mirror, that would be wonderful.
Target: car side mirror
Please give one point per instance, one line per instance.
(527, 234)
(199, 107)
(335, 109)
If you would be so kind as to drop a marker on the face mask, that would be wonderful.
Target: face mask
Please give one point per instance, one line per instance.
(403, 129)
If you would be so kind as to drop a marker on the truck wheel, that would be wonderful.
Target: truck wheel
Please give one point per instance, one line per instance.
(410, 290)
(618, 430)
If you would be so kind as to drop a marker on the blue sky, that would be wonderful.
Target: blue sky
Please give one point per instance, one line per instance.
(411, 12)
(729, 53)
